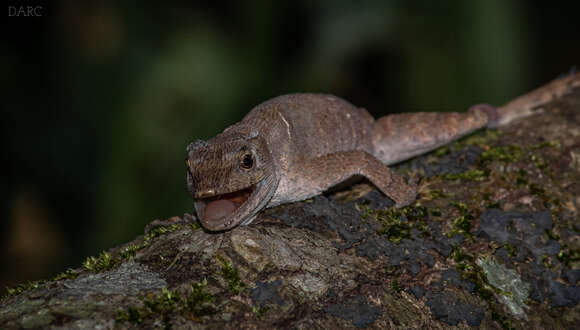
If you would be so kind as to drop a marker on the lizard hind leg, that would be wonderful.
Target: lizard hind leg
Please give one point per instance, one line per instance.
(401, 136)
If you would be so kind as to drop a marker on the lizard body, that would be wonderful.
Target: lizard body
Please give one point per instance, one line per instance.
(296, 146)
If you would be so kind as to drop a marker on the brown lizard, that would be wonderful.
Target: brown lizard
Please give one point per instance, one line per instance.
(296, 146)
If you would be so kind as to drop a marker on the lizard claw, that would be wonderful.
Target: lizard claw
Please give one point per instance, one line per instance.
(406, 196)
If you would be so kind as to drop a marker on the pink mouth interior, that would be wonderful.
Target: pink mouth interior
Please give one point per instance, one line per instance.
(221, 206)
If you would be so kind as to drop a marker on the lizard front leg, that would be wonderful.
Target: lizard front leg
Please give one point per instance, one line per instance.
(313, 176)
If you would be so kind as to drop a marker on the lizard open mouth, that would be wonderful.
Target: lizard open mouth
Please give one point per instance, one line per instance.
(221, 206)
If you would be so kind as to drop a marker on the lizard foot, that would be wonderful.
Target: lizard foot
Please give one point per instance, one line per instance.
(489, 110)
(405, 195)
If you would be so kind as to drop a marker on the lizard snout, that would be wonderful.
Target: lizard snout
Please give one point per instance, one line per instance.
(205, 193)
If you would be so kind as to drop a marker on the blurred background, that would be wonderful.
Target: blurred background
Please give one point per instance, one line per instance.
(101, 98)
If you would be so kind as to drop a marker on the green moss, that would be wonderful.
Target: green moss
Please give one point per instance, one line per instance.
(130, 251)
(132, 314)
(459, 256)
(395, 230)
(158, 231)
(552, 235)
(198, 295)
(551, 203)
(434, 212)
(542, 165)
(69, 274)
(165, 303)
(509, 153)
(569, 256)
(20, 288)
(163, 261)
(15, 291)
(521, 179)
(479, 139)
(392, 226)
(547, 144)
(462, 223)
(502, 320)
(437, 193)
(231, 275)
(546, 261)
(441, 151)
(510, 226)
(538, 161)
(102, 263)
(423, 227)
(512, 250)
(490, 203)
(162, 305)
(513, 153)
(396, 224)
(476, 275)
(106, 262)
(472, 175)
(259, 311)
(396, 286)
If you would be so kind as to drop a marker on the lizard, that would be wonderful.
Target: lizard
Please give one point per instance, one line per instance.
(293, 147)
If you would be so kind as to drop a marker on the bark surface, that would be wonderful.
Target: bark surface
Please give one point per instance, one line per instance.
(492, 241)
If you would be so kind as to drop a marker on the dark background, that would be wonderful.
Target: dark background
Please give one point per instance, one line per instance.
(100, 99)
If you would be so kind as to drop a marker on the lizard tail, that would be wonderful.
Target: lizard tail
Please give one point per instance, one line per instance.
(532, 102)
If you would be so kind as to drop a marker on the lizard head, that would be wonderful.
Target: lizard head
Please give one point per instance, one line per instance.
(230, 181)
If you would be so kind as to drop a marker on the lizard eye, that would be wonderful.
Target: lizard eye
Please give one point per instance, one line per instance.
(247, 161)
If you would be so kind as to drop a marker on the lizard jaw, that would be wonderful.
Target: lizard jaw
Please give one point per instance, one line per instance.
(224, 211)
